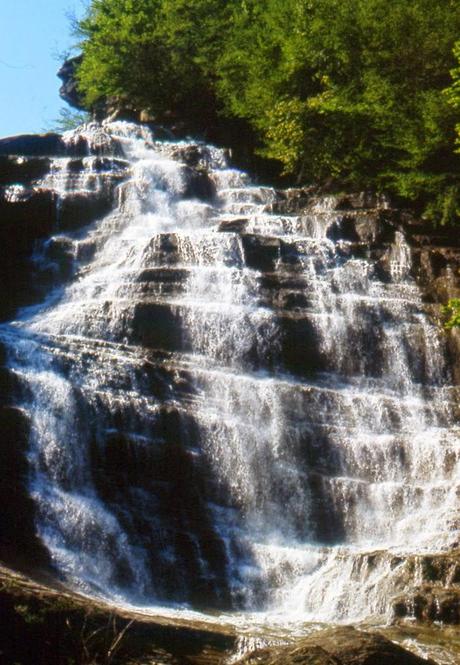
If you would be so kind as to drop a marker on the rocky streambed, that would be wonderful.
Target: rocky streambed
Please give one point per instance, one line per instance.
(42, 622)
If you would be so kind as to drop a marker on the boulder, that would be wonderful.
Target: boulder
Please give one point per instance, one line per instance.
(336, 646)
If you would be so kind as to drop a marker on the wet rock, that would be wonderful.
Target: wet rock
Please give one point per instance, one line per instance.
(19, 543)
(165, 475)
(58, 261)
(199, 185)
(26, 217)
(162, 249)
(194, 156)
(431, 586)
(360, 200)
(296, 200)
(165, 280)
(31, 210)
(78, 210)
(291, 201)
(28, 212)
(337, 646)
(343, 229)
(22, 170)
(115, 167)
(299, 346)
(437, 271)
(53, 145)
(260, 252)
(157, 325)
(236, 225)
(368, 228)
(429, 605)
(435, 255)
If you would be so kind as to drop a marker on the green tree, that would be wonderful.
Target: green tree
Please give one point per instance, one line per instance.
(453, 91)
(351, 91)
(451, 312)
(356, 93)
(153, 54)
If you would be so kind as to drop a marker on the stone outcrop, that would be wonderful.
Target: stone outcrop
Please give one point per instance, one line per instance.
(44, 625)
(336, 646)
(436, 592)
(32, 208)
(47, 625)
(369, 218)
(369, 221)
(69, 88)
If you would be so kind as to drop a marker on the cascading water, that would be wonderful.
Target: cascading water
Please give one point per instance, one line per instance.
(230, 407)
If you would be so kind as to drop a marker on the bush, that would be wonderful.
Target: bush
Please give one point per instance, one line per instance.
(452, 313)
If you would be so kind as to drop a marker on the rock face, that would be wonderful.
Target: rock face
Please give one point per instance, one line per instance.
(18, 540)
(69, 89)
(337, 646)
(48, 185)
(437, 595)
(231, 396)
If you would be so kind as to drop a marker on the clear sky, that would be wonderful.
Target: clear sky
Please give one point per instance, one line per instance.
(32, 35)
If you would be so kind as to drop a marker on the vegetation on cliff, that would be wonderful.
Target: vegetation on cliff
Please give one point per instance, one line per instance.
(353, 93)
(451, 312)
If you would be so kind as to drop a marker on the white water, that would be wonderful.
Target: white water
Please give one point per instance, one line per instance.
(316, 477)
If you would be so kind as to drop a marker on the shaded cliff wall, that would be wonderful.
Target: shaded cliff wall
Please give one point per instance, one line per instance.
(29, 214)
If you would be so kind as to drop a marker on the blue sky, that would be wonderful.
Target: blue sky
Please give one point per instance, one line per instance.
(32, 35)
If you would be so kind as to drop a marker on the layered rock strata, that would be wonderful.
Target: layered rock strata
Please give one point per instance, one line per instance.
(233, 396)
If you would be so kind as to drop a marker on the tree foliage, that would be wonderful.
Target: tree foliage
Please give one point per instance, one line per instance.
(453, 92)
(451, 311)
(358, 93)
(152, 54)
(68, 120)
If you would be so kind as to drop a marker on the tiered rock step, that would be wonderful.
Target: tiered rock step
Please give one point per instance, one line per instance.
(33, 206)
(403, 585)
(210, 332)
(294, 346)
(160, 395)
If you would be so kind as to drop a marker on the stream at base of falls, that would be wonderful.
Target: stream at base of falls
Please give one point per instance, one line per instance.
(231, 409)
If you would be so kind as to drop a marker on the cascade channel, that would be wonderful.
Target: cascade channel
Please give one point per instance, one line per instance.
(230, 408)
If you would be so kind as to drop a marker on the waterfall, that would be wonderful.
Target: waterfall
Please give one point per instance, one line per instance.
(231, 407)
